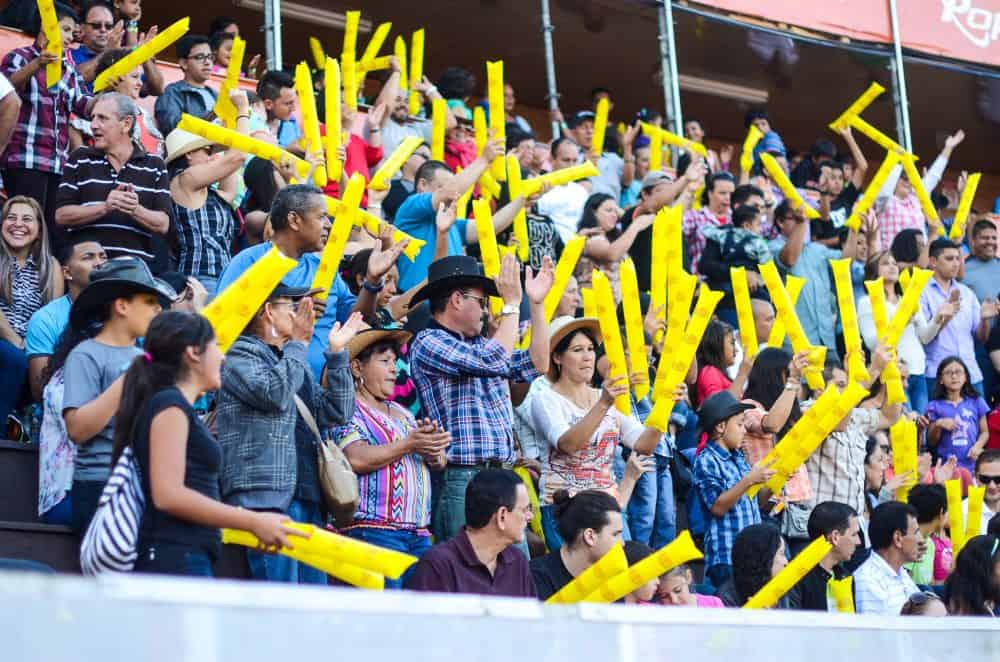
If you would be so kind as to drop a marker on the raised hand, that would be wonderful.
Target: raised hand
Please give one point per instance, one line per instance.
(537, 286)
(381, 261)
(445, 217)
(762, 472)
(509, 281)
(340, 335)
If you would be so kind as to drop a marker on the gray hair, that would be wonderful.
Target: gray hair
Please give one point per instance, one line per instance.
(296, 198)
(124, 106)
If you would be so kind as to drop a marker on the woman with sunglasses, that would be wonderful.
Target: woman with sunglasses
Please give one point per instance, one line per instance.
(973, 588)
(203, 189)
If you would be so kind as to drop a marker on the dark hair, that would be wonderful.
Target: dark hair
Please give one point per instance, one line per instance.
(588, 219)
(712, 180)
(983, 226)
(218, 39)
(993, 528)
(357, 267)
(293, 198)
(563, 345)
(65, 249)
(940, 245)
(271, 84)
(886, 520)
(70, 338)
(587, 510)
(456, 83)
(559, 142)
(429, 170)
(743, 193)
(783, 210)
(930, 501)
(712, 349)
(766, 383)
(917, 604)
(871, 444)
(516, 135)
(829, 516)
(753, 556)
(169, 335)
(636, 551)
(871, 269)
(988, 455)
(831, 364)
(109, 57)
(599, 90)
(905, 245)
(755, 114)
(220, 23)
(823, 147)
(489, 491)
(972, 583)
(744, 215)
(940, 392)
(187, 43)
(834, 165)
(34, 25)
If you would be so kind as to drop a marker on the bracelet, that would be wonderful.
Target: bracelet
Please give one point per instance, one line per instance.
(374, 289)
(374, 130)
(792, 386)
(374, 205)
(241, 117)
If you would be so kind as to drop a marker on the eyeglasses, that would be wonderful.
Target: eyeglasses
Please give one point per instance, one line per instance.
(97, 25)
(986, 480)
(203, 57)
(483, 302)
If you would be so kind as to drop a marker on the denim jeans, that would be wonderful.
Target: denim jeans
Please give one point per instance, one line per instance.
(280, 568)
(408, 542)
(61, 513)
(13, 372)
(86, 494)
(172, 559)
(652, 515)
(687, 435)
(916, 393)
(449, 515)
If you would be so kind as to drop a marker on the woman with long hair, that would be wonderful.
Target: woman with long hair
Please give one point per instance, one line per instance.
(716, 354)
(606, 245)
(758, 556)
(178, 458)
(973, 587)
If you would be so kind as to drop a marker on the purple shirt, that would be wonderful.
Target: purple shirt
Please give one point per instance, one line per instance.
(968, 412)
(957, 337)
(453, 567)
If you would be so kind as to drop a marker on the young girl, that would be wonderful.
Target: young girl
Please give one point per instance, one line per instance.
(221, 44)
(675, 590)
(957, 415)
(715, 354)
(178, 458)
(635, 552)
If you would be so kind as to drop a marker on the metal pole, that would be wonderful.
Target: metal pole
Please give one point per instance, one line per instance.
(272, 33)
(899, 96)
(668, 65)
(550, 65)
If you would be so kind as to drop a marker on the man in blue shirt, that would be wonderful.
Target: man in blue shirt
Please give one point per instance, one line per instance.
(429, 214)
(301, 226)
(78, 256)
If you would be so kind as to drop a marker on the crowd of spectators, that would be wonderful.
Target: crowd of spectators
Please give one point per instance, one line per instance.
(118, 228)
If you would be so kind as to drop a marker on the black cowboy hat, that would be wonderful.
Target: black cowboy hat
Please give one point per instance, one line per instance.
(453, 273)
(122, 277)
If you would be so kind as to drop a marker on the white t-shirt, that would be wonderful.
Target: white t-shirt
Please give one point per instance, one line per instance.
(592, 466)
(5, 86)
(564, 205)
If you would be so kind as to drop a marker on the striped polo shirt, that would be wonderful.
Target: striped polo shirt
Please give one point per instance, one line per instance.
(89, 177)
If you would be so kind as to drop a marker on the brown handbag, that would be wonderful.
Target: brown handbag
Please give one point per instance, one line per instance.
(337, 480)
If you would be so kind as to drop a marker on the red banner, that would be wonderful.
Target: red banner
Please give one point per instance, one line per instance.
(960, 29)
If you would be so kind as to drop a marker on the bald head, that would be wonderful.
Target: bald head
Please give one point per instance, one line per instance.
(763, 318)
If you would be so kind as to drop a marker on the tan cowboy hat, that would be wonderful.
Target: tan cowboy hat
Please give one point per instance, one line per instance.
(564, 326)
(181, 142)
(369, 337)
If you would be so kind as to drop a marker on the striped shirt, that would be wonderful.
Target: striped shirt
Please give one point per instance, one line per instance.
(40, 140)
(718, 470)
(204, 236)
(26, 295)
(90, 177)
(837, 468)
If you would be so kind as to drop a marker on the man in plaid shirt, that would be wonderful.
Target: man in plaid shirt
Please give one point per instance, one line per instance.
(462, 377)
(722, 478)
(39, 146)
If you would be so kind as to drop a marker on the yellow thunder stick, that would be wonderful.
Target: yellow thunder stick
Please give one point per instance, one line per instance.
(600, 127)
(908, 304)
(340, 232)
(380, 180)
(613, 347)
(316, 50)
(520, 226)
(903, 437)
(494, 92)
(681, 550)
(842, 591)
(852, 117)
(53, 37)
(375, 225)
(634, 333)
(589, 302)
(234, 307)
(536, 508)
(862, 206)
(956, 523)
(964, 207)
(672, 374)
(310, 119)
(346, 572)
(229, 138)
(744, 314)
(793, 285)
(375, 43)
(786, 313)
(348, 59)
(675, 140)
(609, 565)
(462, 203)
(681, 290)
(895, 393)
(791, 575)
(974, 518)
(754, 136)
(658, 267)
(655, 149)
(321, 542)
(488, 247)
(856, 369)
(777, 173)
(334, 126)
(439, 108)
(559, 177)
(565, 268)
(416, 69)
(910, 168)
(142, 53)
(399, 50)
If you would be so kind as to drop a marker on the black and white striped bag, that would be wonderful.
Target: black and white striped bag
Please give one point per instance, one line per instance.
(109, 544)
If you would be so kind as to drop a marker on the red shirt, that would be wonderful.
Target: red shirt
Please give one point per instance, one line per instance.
(459, 155)
(361, 157)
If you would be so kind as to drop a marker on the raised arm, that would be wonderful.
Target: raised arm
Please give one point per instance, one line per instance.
(860, 162)
(501, 220)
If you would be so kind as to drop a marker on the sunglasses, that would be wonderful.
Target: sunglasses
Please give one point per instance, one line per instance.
(97, 25)
(922, 598)
(986, 480)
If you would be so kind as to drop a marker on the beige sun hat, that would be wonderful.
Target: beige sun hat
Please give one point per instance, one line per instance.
(564, 326)
(181, 142)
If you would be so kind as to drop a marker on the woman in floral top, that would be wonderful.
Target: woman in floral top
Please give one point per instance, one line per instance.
(389, 450)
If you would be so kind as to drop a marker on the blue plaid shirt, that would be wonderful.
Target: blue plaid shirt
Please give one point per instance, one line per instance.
(463, 384)
(717, 470)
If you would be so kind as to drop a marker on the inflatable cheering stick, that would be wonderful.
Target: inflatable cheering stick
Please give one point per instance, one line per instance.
(611, 335)
(792, 573)
(681, 550)
(609, 565)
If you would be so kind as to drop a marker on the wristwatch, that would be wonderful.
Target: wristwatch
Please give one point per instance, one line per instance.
(509, 309)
